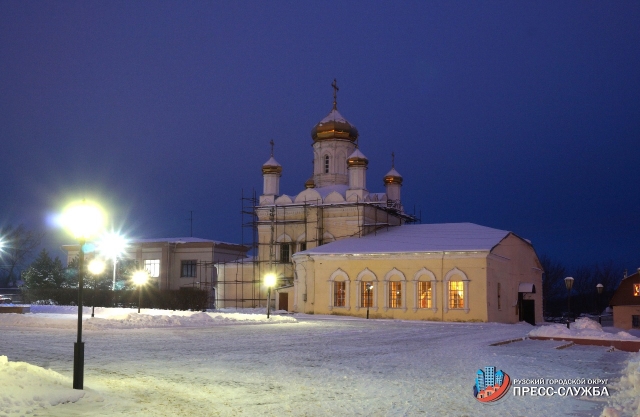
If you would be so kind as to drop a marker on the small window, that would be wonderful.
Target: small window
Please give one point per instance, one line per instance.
(636, 290)
(152, 266)
(326, 164)
(303, 246)
(339, 293)
(424, 294)
(395, 294)
(188, 269)
(635, 321)
(456, 294)
(285, 252)
(366, 294)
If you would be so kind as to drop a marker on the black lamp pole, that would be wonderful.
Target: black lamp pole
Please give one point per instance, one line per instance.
(78, 347)
(369, 287)
(568, 282)
(600, 287)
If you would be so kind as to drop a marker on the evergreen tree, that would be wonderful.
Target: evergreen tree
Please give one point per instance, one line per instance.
(45, 272)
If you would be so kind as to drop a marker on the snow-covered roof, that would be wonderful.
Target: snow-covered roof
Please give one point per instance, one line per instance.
(333, 116)
(271, 163)
(179, 240)
(418, 238)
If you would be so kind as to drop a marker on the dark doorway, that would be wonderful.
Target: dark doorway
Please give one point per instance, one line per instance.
(528, 311)
(283, 301)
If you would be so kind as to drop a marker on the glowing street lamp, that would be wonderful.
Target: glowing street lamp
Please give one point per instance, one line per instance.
(96, 267)
(140, 278)
(269, 281)
(111, 246)
(568, 282)
(82, 220)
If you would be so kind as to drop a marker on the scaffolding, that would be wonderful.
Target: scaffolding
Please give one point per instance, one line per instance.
(275, 232)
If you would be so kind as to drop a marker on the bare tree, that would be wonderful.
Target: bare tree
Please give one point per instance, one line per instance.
(17, 245)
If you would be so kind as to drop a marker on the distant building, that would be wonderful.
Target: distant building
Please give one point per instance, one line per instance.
(626, 303)
(175, 263)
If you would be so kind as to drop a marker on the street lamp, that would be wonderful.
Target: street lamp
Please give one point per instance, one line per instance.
(568, 282)
(140, 278)
(96, 267)
(83, 220)
(269, 281)
(369, 288)
(600, 287)
(111, 246)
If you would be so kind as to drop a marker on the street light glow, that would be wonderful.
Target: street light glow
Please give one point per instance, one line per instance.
(83, 219)
(270, 280)
(96, 266)
(140, 277)
(112, 245)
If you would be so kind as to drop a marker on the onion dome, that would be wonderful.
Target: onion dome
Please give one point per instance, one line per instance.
(310, 183)
(334, 126)
(271, 167)
(393, 177)
(357, 159)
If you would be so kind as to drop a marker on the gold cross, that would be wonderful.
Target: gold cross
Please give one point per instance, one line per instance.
(334, 84)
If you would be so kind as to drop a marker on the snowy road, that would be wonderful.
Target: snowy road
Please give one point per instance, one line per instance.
(316, 367)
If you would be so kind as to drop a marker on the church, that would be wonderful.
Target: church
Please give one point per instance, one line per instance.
(338, 248)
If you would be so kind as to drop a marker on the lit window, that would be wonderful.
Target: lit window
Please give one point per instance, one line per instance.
(285, 252)
(456, 294)
(424, 294)
(188, 269)
(366, 294)
(339, 291)
(636, 290)
(395, 294)
(326, 164)
(152, 266)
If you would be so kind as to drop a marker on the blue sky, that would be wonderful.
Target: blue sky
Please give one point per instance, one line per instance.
(523, 116)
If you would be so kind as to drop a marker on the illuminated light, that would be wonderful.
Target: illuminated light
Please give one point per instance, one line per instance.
(270, 280)
(140, 277)
(83, 219)
(112, 245)
(96, 266)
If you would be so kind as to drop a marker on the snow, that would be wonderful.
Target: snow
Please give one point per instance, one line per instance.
(333, 116)
(219, 363)
(583, 328)
(417, 239)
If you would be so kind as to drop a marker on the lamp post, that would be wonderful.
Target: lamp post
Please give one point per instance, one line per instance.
(140, 278)
(568, 282)
(369, 288)
(600, 287)
(82, 220)
(269, 281)
(96, 267)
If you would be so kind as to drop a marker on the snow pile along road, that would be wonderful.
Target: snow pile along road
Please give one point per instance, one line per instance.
(583, 328)
(626, 400)
(26, 388)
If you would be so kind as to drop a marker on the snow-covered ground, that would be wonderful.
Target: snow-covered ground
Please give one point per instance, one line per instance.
(225, 363)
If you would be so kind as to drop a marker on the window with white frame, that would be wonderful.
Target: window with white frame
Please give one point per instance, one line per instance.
(152, 266)
(456, 294)
(339, 293)
(395, 294)
(424, 294)
(285, 252)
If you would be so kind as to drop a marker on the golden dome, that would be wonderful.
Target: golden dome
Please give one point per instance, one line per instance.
(271, 167)
(357, 159)
(334, 126)
(310, 183)
(393, 177)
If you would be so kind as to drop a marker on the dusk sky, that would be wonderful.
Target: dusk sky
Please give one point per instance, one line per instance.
(522, 116)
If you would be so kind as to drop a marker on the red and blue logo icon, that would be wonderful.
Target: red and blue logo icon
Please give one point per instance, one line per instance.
(491, 384)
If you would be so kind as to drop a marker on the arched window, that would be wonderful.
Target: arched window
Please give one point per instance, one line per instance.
(456, 294)
(326, 164)
(456, 287)
(424, 290)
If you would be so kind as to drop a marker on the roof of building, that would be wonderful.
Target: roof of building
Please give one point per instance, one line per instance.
(418, 238)
(624, 295)
(181, 240)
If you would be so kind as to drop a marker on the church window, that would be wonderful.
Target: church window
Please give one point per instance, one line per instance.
(188, 268)
(424, 294)
(456, 294)
(635, 321)
(285, 252)
(636, 290)
(326, 164)
(339, 291)
(395, 294)
(152, 266)
(366, 294)
(303, 246)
